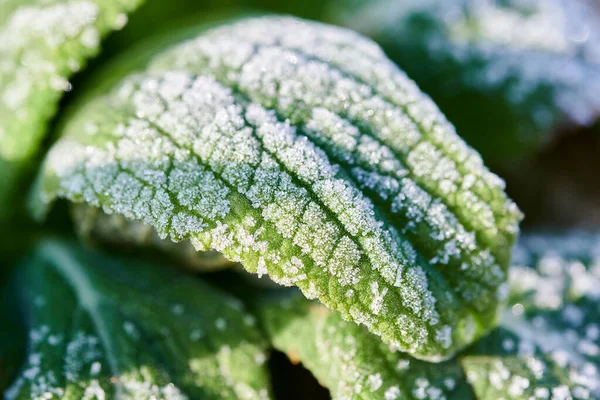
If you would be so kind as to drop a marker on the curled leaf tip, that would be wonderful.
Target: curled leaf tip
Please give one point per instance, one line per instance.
(301, 151)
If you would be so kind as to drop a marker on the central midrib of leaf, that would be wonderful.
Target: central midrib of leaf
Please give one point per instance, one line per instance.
(86, 295)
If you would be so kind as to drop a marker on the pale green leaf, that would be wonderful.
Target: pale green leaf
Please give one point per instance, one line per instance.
(507, 73)
(42, 44)
(350, 361)
(107, 328)
(547, 345)
(300, 151)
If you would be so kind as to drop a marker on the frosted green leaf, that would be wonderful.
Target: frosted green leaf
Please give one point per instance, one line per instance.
(115, 230)
(300, 151)
(42, 44)
(546, 347)
(507, 73)
(350, 361)
(107, 328)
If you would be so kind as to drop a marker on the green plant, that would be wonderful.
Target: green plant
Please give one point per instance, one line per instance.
(258, 152)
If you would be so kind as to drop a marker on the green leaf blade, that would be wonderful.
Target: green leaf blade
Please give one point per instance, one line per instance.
(248, 144)
(107, 327)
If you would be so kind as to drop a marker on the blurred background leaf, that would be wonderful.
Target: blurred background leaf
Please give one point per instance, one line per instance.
(520, 80)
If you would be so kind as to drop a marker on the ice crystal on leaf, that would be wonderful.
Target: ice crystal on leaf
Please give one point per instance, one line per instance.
(546, 347)
(104, 328)
(300, 151)
(42, 44)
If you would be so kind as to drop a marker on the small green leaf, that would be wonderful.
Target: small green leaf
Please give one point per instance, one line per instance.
(506, 73)
(300, 151)
(42, 44)
(350, 361)
(547, 345)
(103, 327)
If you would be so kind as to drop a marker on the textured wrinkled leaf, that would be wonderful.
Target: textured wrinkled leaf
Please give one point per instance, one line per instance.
(350, 361)
(93, 225)
(300, 151)
(42, 44)
(103, 327)
(547, 345)
(506, 73)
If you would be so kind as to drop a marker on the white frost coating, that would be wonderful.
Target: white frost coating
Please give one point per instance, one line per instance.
(53, 25)
(133, 171)
(318, 76)
(29, 43)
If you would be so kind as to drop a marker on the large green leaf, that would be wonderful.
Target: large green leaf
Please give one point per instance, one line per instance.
(103, 327)
(42, 44)
(547, 345)
(300, 151)
(507, 73)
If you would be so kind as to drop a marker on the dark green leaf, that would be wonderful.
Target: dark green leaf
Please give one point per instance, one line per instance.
(102, 327)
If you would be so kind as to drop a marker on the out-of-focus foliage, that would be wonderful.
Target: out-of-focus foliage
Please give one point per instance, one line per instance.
(509, 74)
(42, 44)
